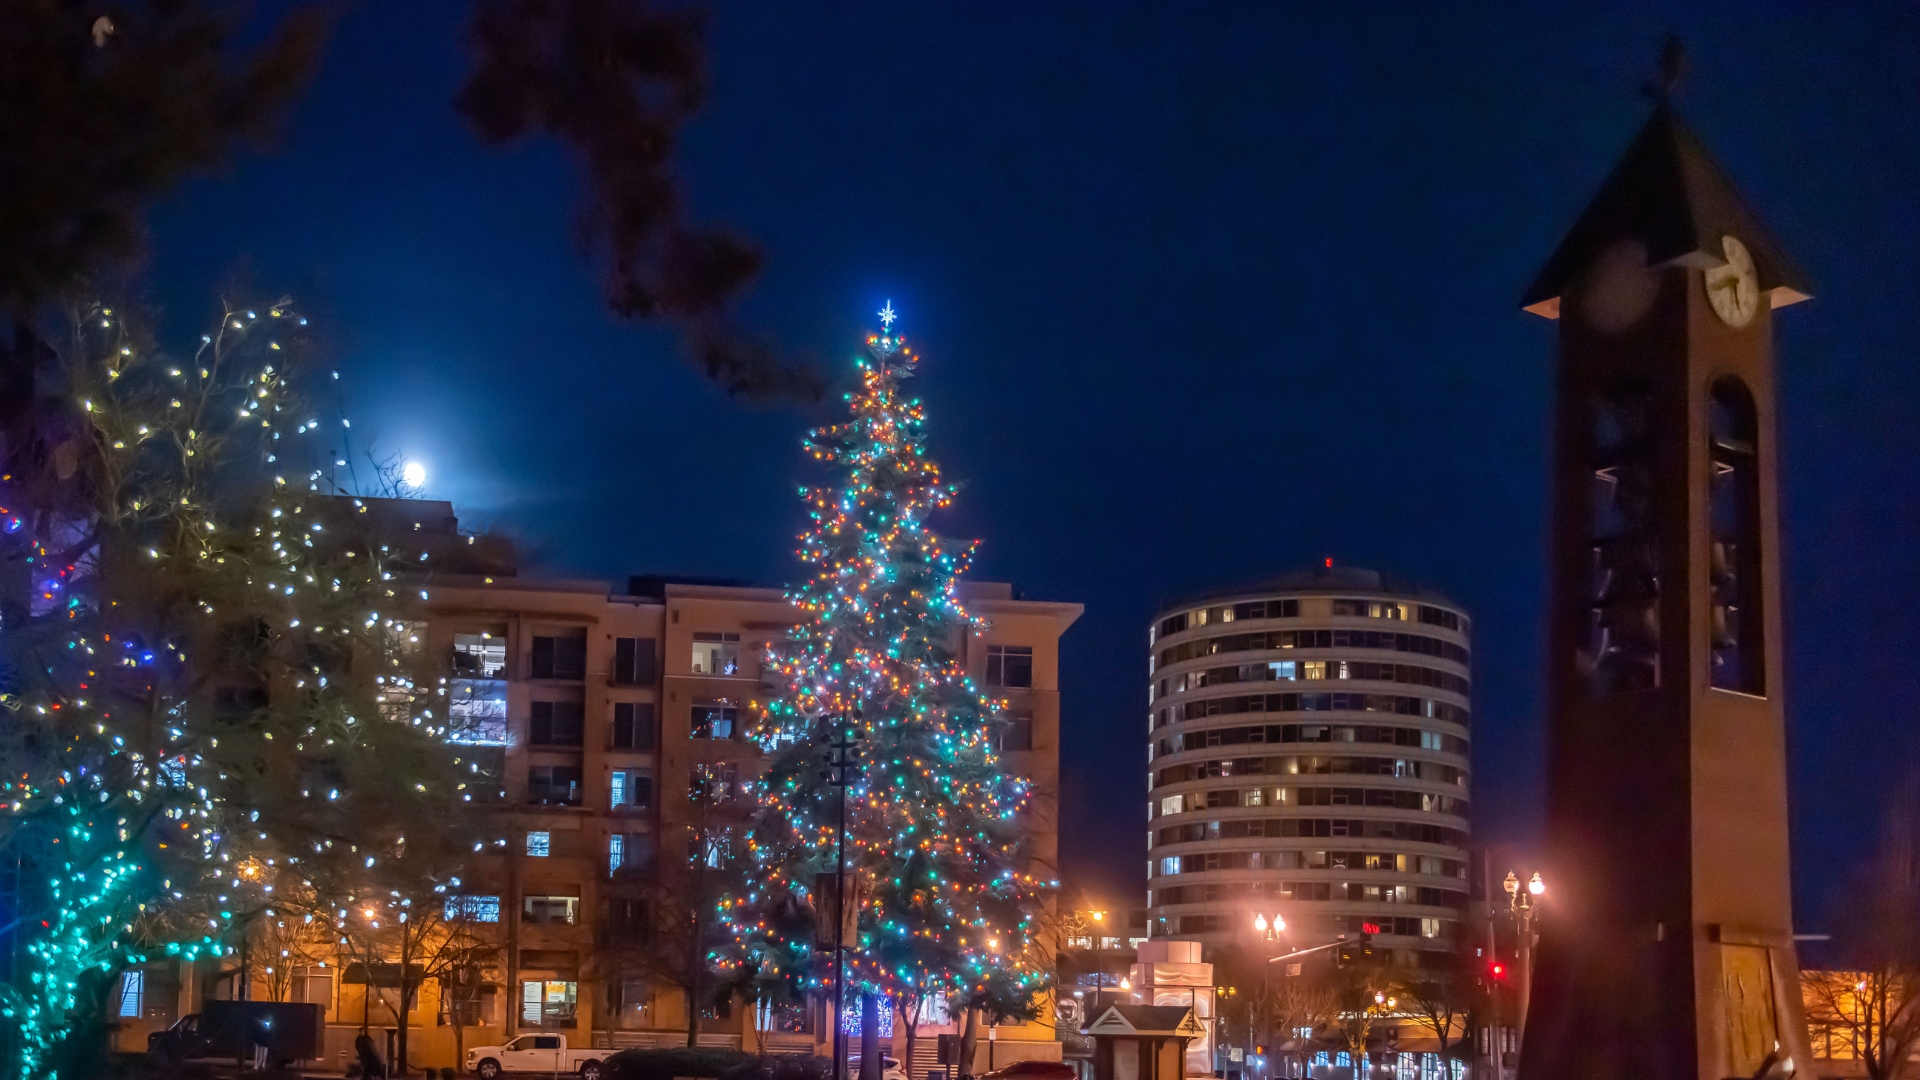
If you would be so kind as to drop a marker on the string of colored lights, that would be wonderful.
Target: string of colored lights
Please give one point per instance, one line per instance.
(936, 864)
(151, 818)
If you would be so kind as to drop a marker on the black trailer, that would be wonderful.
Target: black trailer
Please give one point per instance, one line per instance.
(281, 1032)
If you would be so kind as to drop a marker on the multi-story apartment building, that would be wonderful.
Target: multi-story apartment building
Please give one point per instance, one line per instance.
(1309, 762)
(614, 718)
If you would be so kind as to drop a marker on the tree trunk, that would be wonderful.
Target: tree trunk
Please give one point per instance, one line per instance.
(969, 1038)
(693, 1014)
(399, 1064)
(910, 1019)
(869, 1038)
(459, 1034)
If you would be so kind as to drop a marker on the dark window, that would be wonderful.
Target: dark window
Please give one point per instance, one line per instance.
(1013, 733)
(718, 782)
(1620, 650)
(556, 723)
(328, 659)
(553, 785)
(560, 657)
(634, 663)
(633, 725)
(235, 702)
(628, 914)
(1733, 524)
(1010, 665)
(1173, 624)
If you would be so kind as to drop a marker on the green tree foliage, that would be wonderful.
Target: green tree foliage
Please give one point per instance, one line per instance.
(207, 674)
(939, 894)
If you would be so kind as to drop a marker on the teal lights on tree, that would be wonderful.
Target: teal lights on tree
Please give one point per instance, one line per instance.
(178, 605)
(938, 894)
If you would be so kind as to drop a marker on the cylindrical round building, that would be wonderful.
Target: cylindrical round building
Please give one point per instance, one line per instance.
(1309, 761)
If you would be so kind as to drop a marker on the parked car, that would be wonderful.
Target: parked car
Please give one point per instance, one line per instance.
(1032, 1070)
(534, 1054)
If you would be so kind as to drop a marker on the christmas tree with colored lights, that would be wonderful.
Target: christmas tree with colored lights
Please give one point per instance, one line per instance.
(938, 897)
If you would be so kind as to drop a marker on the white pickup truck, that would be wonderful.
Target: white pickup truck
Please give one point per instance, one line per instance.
(546, 1054)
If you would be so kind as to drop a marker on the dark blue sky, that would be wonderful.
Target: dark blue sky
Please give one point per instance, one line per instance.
(1207, 292)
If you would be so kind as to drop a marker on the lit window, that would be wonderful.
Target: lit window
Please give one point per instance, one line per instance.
(473, 908)
(718, 719)
(1170, 864)
(480, 656)
(1169, 805)
(478, 712)
(133, 992)
(551, 910)
(548, 1004)
(616, 852)
(1313, 669)
(631, 789)
(539, 844)
(716, 653)
(1284, 670)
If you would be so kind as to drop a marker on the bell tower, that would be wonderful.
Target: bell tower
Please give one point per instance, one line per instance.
(1670, 953)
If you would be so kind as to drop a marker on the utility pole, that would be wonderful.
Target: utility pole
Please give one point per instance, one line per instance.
(843, 768)
(1493, 958)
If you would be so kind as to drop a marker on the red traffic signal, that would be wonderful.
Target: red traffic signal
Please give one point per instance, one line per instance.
(1498, 970)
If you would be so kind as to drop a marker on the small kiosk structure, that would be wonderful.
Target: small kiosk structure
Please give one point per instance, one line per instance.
(1142, 1042)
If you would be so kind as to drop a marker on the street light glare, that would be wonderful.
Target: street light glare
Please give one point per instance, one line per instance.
(1536, 886)
(414, 473)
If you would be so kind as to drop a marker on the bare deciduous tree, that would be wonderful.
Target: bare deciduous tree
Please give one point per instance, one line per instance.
(1873, 1003)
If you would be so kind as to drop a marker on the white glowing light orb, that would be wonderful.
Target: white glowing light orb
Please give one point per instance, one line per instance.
(414, 473)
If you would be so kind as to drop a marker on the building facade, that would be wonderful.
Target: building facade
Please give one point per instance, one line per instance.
(614, 719)
(1309, 766)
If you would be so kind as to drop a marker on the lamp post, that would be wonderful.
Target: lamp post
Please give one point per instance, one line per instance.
(843, 767)
(1521, 904)
(1266, 929)
(1269, 930)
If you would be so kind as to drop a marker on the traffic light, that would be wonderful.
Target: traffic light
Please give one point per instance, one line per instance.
(1498, 970)
(1360, 949)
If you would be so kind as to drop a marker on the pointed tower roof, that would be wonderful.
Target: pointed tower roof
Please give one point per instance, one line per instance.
(1670, 194)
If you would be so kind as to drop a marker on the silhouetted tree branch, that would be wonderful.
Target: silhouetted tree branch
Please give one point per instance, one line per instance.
(101, 110)
(616, 80)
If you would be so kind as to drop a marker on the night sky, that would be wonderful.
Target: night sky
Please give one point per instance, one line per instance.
(1207, 293)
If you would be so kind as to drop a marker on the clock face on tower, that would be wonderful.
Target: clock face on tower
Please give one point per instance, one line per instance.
(1734, 289)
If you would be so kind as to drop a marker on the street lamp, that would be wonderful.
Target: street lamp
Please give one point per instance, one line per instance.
(1520, 906)
(1269, 930)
